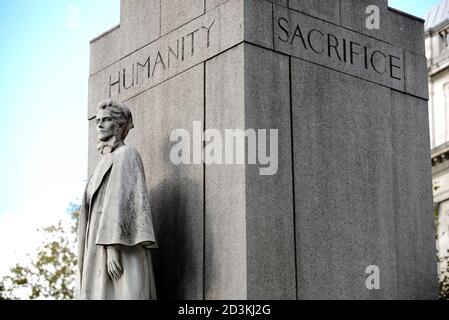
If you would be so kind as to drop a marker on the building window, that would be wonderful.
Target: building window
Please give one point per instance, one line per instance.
(444, 41)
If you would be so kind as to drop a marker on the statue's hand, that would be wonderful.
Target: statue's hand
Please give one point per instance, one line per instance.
(113, 264)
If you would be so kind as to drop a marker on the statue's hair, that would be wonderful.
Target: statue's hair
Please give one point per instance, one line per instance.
(120, 113)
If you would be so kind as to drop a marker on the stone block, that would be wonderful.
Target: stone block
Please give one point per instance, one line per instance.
(182, 49)
(176, 192)
(226, 252)
(323, 43)
(328, 10)
(280, 2)
(140, 23)
(212, 4)
(354, 17)
(104, 50)
(417, 264)
(255, 211)
(353, 185)
(406, 32)
(416, 79)
(269, 199)
(343, 160)
(93, 155)
(175, 13)
(259, 22)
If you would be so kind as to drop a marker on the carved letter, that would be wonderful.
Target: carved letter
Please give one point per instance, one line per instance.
(182, 48)
(373, 55)
(193, 40)
(146, 64)
(298, 33)
(285, 29)
(345, 54)
(329, 46)
(158, 60)
(365, 49)
(208, 32)
(132, 79)
(309, 40)
(116, 83)
(172, 52)
(352, 52)
(394, 66)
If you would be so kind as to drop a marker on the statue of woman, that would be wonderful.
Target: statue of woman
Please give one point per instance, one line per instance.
(115, 228)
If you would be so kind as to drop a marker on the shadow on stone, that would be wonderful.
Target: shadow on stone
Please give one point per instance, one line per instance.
(176, 260)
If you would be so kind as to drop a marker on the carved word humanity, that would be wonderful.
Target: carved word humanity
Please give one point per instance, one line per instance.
(179, 50)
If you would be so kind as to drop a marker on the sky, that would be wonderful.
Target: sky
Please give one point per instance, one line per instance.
(417, 8)
(44, 65)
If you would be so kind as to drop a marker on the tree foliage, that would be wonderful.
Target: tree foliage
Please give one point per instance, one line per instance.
(51, 272)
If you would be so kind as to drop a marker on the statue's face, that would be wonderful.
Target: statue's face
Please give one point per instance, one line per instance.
(106, 125)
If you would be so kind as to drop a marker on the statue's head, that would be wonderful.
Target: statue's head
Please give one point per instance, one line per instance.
(113, 120)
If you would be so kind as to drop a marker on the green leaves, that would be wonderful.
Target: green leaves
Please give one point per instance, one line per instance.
(51, 273)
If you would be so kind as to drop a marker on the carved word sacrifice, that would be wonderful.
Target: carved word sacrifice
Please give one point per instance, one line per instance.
(179, 50)
(347, 51)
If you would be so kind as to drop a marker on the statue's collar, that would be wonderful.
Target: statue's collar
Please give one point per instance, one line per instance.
(109, 146)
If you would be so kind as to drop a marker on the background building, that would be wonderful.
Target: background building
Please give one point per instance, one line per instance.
(437, 52)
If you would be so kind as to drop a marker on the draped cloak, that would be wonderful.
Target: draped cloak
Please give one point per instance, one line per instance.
(116, 211)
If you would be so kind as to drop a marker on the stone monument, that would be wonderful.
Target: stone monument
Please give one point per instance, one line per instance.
(352, 189)
(115, 232)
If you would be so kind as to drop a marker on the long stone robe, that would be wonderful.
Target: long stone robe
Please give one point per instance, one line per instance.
(116, 211)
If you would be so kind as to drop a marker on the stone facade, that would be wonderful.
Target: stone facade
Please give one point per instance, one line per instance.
(437, 52)
(353, 186)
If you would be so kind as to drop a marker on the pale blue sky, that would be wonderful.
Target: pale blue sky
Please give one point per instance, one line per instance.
(414, 7)
(44, 63)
